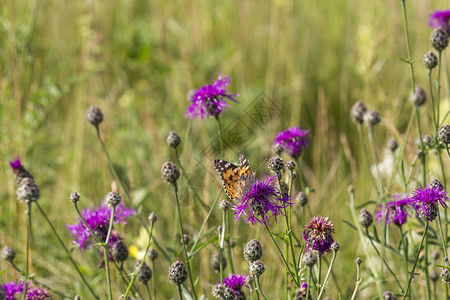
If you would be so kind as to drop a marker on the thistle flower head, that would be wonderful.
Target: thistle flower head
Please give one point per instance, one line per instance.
(439, 39)
(294, 140)
(98, 220)
(317, 234)
(262, 201)
(430, 60)
(440, 19)
(211, 99)
(12, 288)
(357, 112)
(427, 200)
(178, 273)
(38, 293)
(394, 211)
(235, 282)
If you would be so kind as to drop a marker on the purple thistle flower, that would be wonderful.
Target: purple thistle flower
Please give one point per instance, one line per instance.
(98, 220)
(38, 293)
(263, 200)
(12, 288)
(317, 234)
(394, 211)
(210, 99)
(294, 140)
(235, 282)
(15, 164)
(426, 202)
(440, 19)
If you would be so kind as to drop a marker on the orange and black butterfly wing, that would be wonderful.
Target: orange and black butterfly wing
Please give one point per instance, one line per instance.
(229, 173)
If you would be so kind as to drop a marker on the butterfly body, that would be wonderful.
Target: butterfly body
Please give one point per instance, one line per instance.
(236, 180)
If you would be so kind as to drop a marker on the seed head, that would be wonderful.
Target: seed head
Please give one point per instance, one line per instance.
(358, 111)
(178, 273)
(153, 217)
(426, 139)
(170, 172)
(277, 149)
(389, 296)
(358, 261)
(420, 153)
(256, 268)
(122, 297)
(309, 259)
(430, 60)
(216, 262)
(419, 97)
(434, 276)
(224, 205)
(8, 254)
(253, 251)
(152, 254)
(444, 134)
(445, 259)
(218, 289)
(372, 118)
(300, 294)
(436, 184)
(301, 199)
(74, 197)
(365, 218)
(335, 247)
(439, 39)
(173, 139)
(113, 199)
(94, 116)
(445, 275)
(186, 239)
(276, 164)
(145, 274)
(392, 145)
(28, 191)
(119, 251)
(290, 165)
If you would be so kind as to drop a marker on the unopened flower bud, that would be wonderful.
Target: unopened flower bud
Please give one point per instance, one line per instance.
(178, 273)
(94, 116)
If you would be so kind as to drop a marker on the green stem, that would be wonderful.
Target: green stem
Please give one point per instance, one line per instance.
(327, 276)
(259, 288)
(408, 46)
(309, 283)
(179, 291)
(105, 253)
(438, 100)
(27, 250)
(136, 272)
(375, 161)
(433, 104)
(358, 281)
(405, 253)
(67, 251)
(154, 280)
(188, 265)
(222, 239)
(282, 256)
(427, 276)
(411, 274)
(149, 294)
(366, 156)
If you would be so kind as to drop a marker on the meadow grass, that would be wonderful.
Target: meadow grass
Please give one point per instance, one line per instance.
(137, 61)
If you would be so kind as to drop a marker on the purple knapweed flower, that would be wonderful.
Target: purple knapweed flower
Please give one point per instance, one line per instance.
(210, 99)
(15, 164)
(98, 220)
(38, 293)
(12, 288)
(294, 140)
(317, 234)
(440, 19)
(394, 211)
(263, 200)
(426, 201)
(235, 282)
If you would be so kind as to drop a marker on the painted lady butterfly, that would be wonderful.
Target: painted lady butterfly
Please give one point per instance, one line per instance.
(236, 180)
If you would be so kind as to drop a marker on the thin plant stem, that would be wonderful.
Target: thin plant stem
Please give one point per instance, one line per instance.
(27, 250)
(136, 272)
(105, 252)
(220, 134)
(149, 294)
(375, 161)
(68, 253)
(411, 274)
(188, 265)
(227, 239)
(309, 283)
(154, 280)
(204, 223)
(408, 45)
(366, 156)
(282, 256)
(433, 104)
(259, 288)
(438, 100)
(405, 252)
(319, 269)
(222, 239)
(179, 291)
(358, 281)
(384, 260)
(427, 275)
(322, 289)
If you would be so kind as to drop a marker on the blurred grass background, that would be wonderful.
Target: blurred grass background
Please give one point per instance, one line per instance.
(137, 60)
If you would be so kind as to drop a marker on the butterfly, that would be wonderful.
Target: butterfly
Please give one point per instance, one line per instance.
(236, 180)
